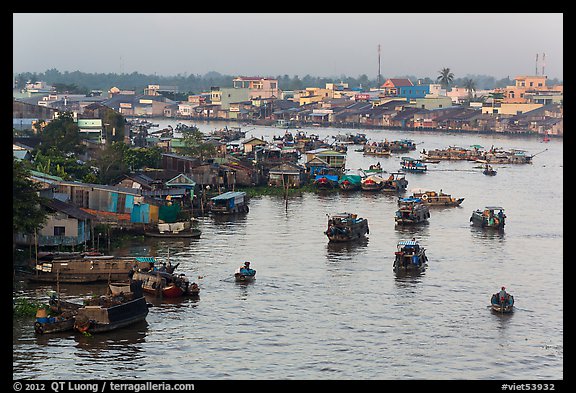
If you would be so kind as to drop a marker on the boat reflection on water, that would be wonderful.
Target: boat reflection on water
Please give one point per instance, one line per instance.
(125, 341)
(346, 250)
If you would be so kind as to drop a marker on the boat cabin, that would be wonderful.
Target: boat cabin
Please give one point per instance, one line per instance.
(229, 202)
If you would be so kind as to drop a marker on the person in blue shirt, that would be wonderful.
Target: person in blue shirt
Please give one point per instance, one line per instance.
(245, 269)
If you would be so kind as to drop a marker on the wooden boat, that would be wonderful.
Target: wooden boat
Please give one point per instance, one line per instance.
(112, 312)
(181, 229)
(326, 181)
(60, 318)
(433, 198)
(230, 202)
(376, 149)
(413, 165)
(346, 227)
(84, 269)
(119, 287)
(402, 145)
(410, 256)
(487, 218)
(396, 182)
(489, 171)
(411, 211)
(372, 183)
(350, 182)
(163, 282)
(502, 305)
(244, 273)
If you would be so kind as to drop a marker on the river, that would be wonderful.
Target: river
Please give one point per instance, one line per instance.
(320, 312)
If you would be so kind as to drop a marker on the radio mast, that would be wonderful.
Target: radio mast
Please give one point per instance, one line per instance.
(379, 66)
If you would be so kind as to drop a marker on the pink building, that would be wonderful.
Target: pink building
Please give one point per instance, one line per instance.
(259, 87)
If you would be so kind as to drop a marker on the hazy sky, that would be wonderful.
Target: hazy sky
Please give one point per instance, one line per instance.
(272, 44)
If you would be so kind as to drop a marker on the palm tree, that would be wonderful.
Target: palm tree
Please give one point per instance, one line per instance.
(470, 87)
(445, 78)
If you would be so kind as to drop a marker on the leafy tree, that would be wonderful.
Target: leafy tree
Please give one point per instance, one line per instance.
(110, 163)
(445, 78)
(114, 124)
(27, 214)
(143, 157)
(62, 134)
(194, 145)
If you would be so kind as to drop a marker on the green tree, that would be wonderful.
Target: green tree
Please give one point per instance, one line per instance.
(195, 146)
(470, 87)
(27, 213)
(143, 157)
(61, 134)
(110, 163)
(445, 78)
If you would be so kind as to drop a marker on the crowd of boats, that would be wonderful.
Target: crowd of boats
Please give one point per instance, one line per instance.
(130, 278)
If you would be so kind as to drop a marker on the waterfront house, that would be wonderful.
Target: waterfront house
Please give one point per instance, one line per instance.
(66, 225)
(288, 175)
(324, 158)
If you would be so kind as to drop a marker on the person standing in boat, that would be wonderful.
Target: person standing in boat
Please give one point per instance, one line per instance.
(503, 295)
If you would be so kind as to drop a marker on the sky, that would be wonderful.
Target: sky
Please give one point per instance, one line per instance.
(276, 44)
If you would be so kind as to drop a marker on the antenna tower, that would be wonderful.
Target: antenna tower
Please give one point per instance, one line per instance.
(543, 62)
(379, 66)
(536, 64)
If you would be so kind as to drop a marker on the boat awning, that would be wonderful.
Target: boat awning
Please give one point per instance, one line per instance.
(228, 195)
(408, 243)
(494, 208)
(146, 259)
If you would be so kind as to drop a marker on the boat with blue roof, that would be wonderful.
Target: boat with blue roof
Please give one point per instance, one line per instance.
(345, 227)
(415, 165)
(411, 211)
(409, 256)
(230, 202)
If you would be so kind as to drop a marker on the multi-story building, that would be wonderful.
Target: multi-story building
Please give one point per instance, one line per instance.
(259, 87)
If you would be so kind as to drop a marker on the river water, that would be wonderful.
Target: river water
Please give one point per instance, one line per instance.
(319, 311)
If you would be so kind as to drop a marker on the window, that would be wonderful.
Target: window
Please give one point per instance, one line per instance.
(59, 231)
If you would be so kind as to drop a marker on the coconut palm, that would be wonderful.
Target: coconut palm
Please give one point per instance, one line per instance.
(445, 78)
(470, 87)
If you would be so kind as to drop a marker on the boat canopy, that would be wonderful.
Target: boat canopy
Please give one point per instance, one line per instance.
(229, 195)
(408, 243)
(493, 208)
(146, 259)
(410, 199)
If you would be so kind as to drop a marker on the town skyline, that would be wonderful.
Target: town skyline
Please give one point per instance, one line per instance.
(292, 44)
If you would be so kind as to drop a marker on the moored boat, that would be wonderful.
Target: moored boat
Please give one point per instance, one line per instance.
(372, 183)
(350, 182)
(84, 269)
(409, 256)
(230, 202)
(181, 229)
(57, 317)
(345, 227)
(107, 313)
(433, 198)
(163, 282)
(411, 211)
(487, 218)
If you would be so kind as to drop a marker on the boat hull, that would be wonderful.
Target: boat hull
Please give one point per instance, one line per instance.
(54, 327)
(97, 319)
(84, 270)
(183, 234)
(497, 307)
(239, 277)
